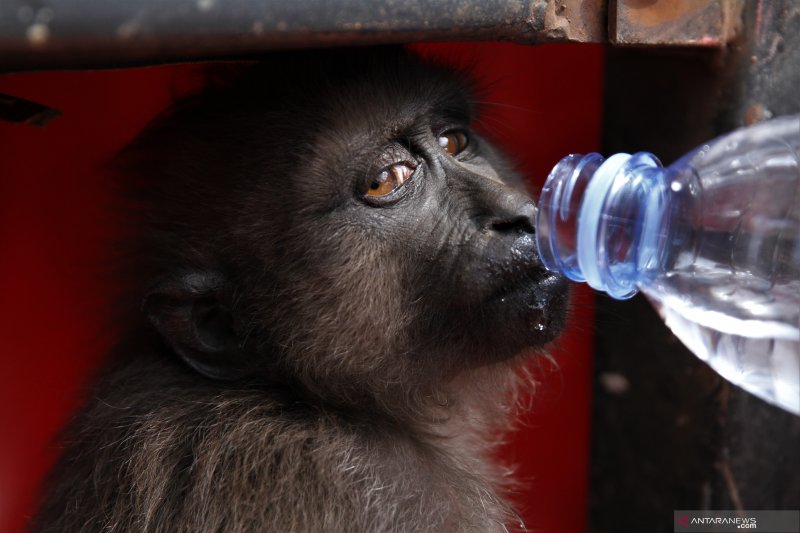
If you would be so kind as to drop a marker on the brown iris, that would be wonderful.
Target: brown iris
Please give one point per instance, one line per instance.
(390, 179)
(453, 142)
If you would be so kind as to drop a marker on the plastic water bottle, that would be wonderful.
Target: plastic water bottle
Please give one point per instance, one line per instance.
(713, 241)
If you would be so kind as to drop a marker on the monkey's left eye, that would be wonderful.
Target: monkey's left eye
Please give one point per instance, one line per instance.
(453, 142)
(390, 178)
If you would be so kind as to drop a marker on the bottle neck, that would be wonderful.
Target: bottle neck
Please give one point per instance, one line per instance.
(604, 221)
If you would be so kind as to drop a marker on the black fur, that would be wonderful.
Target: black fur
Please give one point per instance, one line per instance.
(305, 358)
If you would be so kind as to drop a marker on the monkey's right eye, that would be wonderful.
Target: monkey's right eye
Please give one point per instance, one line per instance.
(390, 179)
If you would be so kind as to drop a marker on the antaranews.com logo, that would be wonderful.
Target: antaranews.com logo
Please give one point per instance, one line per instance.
(733, 521)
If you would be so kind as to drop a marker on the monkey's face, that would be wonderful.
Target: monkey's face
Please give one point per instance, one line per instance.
(411, 241)
(379, 237)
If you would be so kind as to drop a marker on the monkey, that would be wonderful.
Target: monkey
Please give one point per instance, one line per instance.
(331, 281)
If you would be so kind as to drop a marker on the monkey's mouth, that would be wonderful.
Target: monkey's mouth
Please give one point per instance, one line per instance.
(538, 288)
(535, 300)
(510, 283)
(522, 274)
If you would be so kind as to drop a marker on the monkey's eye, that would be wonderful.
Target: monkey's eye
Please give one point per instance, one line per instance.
(390, 178)
(453, 142)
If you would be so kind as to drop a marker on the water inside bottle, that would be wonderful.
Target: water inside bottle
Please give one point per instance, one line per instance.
(713, 240)
(745, 329)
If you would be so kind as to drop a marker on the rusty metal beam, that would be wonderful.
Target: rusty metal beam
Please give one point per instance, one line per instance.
(709, 23)
(37, 34)
(42, 34)
(582, 21)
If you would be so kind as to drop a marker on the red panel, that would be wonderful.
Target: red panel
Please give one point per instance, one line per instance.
(53, 225)
(52, 231)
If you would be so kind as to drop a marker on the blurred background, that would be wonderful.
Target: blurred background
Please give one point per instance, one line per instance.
(624, 428)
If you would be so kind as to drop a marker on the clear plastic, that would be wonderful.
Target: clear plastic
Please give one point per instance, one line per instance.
(713, 241)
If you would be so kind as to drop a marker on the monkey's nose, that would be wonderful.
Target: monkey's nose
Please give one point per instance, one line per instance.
(517, 216)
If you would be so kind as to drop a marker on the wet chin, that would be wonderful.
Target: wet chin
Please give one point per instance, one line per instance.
(531, 314)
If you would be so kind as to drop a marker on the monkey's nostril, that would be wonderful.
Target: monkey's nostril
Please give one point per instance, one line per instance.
(508, 226)
(522, 220)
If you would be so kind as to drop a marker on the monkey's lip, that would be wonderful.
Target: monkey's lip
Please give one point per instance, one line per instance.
(522, 273)
(541, 282)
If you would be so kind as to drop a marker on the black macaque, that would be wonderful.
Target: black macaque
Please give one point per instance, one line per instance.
(335, 277)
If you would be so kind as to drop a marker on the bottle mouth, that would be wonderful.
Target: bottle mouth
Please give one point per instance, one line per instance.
(558, 210)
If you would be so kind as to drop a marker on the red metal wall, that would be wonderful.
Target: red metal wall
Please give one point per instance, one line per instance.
(53, 229)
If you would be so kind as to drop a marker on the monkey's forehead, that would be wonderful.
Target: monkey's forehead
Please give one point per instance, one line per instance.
(380, 85)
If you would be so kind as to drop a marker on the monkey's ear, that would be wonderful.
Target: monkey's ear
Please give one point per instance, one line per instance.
(192, 313)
